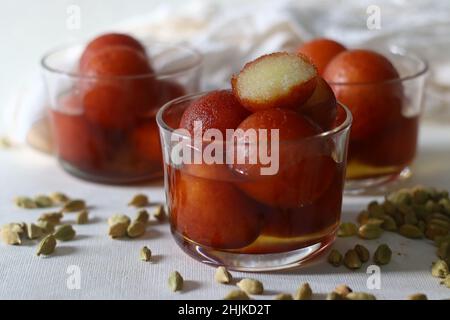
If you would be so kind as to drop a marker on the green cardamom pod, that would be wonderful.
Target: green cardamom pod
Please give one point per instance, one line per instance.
(175, 281)
(335, 258)
(139, 201)
(145, 254)
(363, 253)
(360, 296)
(304, 292)
(283, 296)
(119, 218)
(222, 275)
(410, 231)
(46, 226)
(347, 229)
(142, 216)
(82, 217)
(52, 217)
(33, 231)
(43, 201)
(74, 206)
(237, 295)
(65, 232)
(11, 235)
(351, 260)
(382, 254)
(335, 296)
(251, 286)
(59, 198)
(417, 296)
(117, 230)
(25, 203)
(136, 229)
(440, 269)
(47, 245)
(375, 209)
(160, 213)
(370, 231)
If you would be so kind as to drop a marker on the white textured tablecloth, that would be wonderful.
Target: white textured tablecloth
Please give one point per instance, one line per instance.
(111, 268)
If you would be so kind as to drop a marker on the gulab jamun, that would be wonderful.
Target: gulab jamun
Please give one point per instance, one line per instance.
(109, 40)
(305, 168)
(212, 213)
(277, 80)
(321, 51)
(146, 142)
(321, 106)
(361, 80)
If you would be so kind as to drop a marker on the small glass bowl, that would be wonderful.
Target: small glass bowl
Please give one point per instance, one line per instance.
(383, 142)
(222, 215)
(104, 128)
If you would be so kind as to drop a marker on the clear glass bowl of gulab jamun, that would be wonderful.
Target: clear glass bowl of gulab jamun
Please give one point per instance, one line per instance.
(383, 89)
(254, 174)
(103, 97)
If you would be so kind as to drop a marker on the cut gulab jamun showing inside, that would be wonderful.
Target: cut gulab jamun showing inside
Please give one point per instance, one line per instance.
(321, 52)
(321, 106)
(364, 81)
(212, 213)
(277, 80)
(109, 40)
(305, 169)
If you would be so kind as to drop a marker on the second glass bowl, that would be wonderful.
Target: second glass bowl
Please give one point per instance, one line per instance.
(104, 128)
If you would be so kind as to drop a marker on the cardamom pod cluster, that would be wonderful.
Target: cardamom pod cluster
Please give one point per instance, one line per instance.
(41, 201)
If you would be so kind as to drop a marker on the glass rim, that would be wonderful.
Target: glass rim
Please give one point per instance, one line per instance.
(423, 69)
(198, 60)
(334, 131)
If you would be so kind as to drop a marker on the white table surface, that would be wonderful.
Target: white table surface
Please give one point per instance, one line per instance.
(111, 269)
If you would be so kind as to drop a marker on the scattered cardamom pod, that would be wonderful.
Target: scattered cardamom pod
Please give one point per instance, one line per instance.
(441, 239)
(283, 296)
(135, 229)
(363, 217)
(343, 290)
(82, 217)
(335, 296)
(46, 246)
(446, 281)
(139, 201)
(351, 260)
(160, 213)
(417, 296)
(360, 296)
(52, 217)
(222, 275)
(410, 231)
(237, 295)
(335, 258)
(375, 209)
(251, 286)
(5, 143)
(43, 201)
(443, 251)
(347, 229)
(370, 231)
(33, 231)
(376, 221)
(432, 231)
(389, 223)
(420, 196)
(46, 226)
(25, 203)
(145, 254)
(363, 253)
(117, 230)
(382, 255)
(119, 218)
(142, 216)
(388, 207)
(175, 281)
(74, 206)
(11, 234)
(304, 292)
(65, 233)
(440, 269)
(59, 198)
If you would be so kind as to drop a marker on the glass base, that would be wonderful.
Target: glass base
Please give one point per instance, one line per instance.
(254, 262)
(378, 185)
(125, 179)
